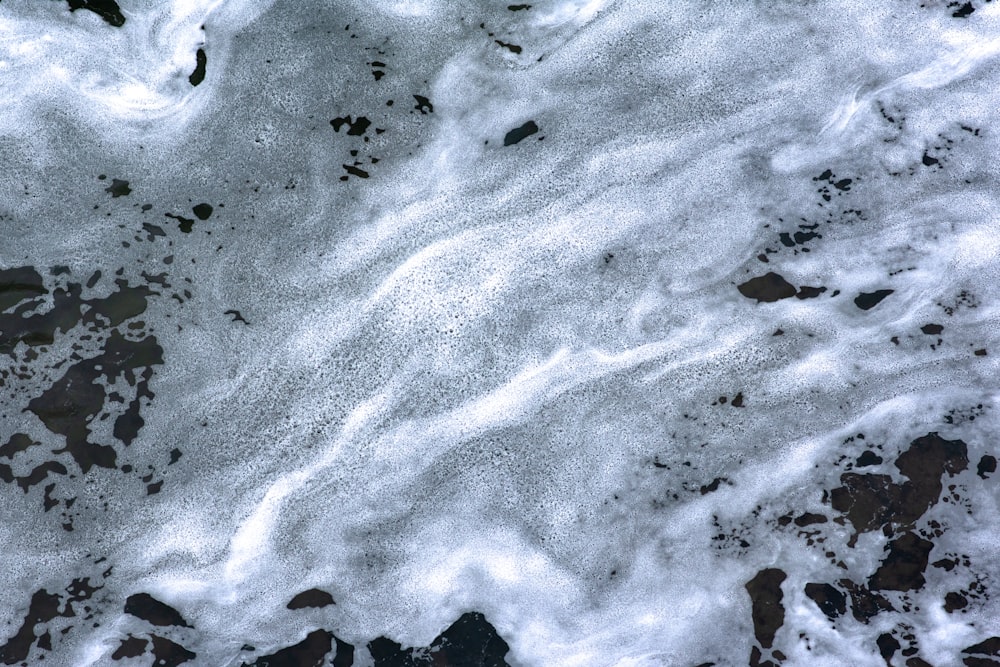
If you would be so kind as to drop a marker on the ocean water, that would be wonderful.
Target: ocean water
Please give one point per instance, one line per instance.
(462, 333)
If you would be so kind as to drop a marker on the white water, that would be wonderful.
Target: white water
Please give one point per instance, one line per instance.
(458, 372)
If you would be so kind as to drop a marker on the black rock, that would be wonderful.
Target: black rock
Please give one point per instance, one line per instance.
(148, 608)
(198, 75)
(313, 597)
(767, 611)
(868, 300)
(767, 288)
(520, 133)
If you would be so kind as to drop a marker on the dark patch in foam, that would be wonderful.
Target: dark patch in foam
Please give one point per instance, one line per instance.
(148, 608)
(767, 288)
(518, 134)
(106, 9)
(201, 61)
(313, 597)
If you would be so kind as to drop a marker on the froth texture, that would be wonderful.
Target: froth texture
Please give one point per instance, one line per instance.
(557, 333)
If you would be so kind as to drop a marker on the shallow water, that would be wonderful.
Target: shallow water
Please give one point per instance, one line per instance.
(461, 333)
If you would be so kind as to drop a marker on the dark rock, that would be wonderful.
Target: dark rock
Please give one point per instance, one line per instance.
(106, 9)
(871, 501)
(964, 11)
(185, 224)
(237, 316)
(355, 128)
(868, 501)
(865, 604)
(808, 519)
(946, 564)
(310, 652)
(201, 61)
(712, 486)
(424, 105)
(868, 300)
(169, 654)
(69, 404)
(471, 641)
(313, 597)
(868, 458)
(756, 659)
(830, 601)
(203, 211)
(986, 466)
(767, 611)
(904, 566)
(118, 188)
(518, 134)
(19, 442)
(926, 460)
(354, 171)
(767, 288)
(989, 646)
(130, 647)
(44, 607)
(932, 329)
(344, 657)
(887, 647)
(148, 608)
(954, 602)
(19, 284)
(513, 48)
(806, 292)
